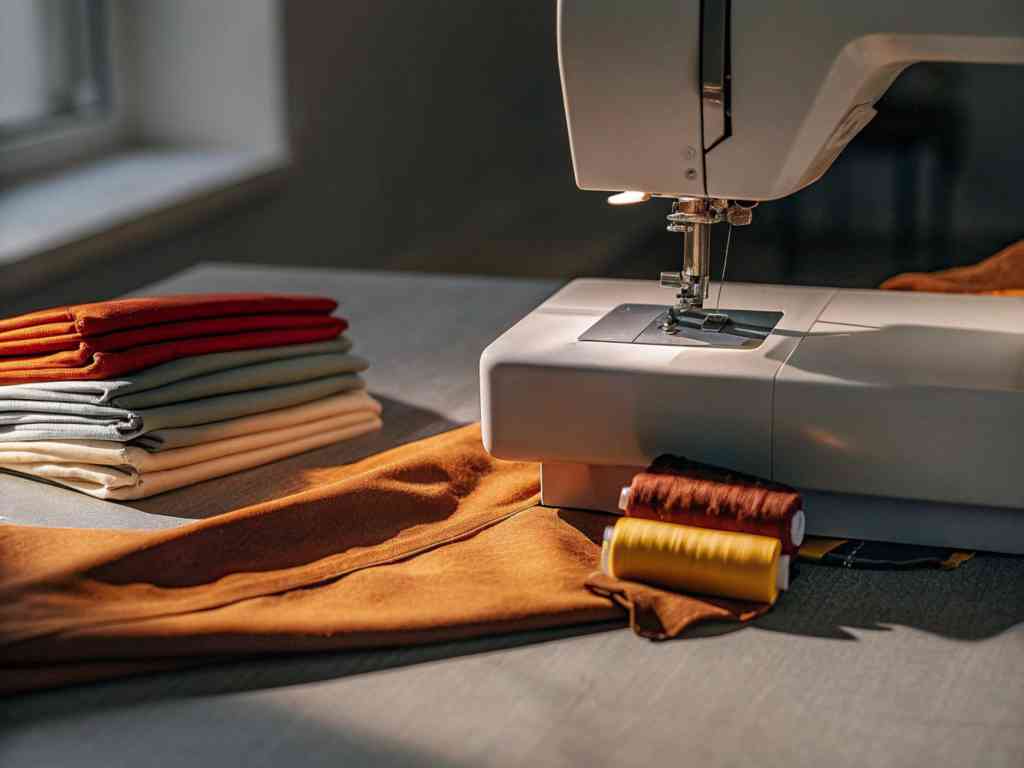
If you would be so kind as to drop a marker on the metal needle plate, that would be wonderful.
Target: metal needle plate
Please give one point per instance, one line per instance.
(641, 324)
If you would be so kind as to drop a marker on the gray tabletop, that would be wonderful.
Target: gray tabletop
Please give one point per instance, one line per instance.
(850, 668)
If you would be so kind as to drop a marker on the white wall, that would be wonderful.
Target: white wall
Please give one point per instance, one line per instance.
(24, 75)
(224, 88)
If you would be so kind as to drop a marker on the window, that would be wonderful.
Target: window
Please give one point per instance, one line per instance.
(123, 119)
(54, 65)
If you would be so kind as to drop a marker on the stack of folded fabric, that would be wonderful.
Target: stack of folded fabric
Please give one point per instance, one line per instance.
(129, 398)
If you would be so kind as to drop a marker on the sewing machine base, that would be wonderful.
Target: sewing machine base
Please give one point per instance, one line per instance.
(839, 515)
(853, 394)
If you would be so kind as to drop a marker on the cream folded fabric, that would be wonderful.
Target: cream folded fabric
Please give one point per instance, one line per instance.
(332, 405)
(346, 411)
(125, 483)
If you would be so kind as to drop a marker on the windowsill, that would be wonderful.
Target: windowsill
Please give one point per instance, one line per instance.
(52, 225)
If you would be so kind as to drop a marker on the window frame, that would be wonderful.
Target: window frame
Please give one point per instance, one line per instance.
(195, 135)
(41, 145)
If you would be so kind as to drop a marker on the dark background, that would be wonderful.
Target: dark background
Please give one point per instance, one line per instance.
(430, 136)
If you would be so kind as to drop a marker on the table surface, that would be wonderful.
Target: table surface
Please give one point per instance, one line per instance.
(851, 668)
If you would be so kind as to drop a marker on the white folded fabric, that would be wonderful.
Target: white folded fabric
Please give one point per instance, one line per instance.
(117, 457)
(109, 482)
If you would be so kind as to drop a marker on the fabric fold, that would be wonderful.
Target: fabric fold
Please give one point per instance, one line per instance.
(435, 540)
(181, 437)
(118, 424)
(1001, 274)
(46, 350)
(80, 364)
(124, 483)
(97, 318)
(658, 614)
(103, 392)
(333, 412)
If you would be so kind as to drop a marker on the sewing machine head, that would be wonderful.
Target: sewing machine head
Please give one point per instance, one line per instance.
(720, 105)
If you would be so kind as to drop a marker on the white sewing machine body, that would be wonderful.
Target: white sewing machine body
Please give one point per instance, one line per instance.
(859, 398)
(898, 415)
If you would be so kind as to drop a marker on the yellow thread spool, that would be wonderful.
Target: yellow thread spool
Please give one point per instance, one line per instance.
(723, 563)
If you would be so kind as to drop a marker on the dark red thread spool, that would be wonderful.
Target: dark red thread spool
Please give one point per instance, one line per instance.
(676, 490)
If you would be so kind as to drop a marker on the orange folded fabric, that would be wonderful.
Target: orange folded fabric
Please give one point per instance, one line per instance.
(103, 317)
(435, 540)
(108, 339)
(999, 275)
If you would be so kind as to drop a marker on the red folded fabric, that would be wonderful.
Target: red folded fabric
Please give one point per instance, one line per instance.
(117, 341)
(107, 339)
(118, 314)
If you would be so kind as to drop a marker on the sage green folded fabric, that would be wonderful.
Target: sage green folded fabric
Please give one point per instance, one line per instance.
(110, 392)
(257, 376)
(123, 425)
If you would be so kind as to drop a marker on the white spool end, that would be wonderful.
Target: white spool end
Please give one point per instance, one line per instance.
(624, 495)
(606, 550)
(782, 578)
(796, 530)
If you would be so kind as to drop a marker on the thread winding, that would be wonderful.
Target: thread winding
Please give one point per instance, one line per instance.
(681, 557)
(676, 490)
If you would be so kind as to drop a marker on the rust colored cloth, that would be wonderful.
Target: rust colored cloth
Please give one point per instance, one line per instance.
(113, 338)
(102, 317)
(658, 614)
(677, 490)
(432, 541)
(999, 275)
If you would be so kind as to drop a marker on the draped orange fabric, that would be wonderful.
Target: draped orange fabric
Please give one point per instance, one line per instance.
(1001, 274)
(435, 540)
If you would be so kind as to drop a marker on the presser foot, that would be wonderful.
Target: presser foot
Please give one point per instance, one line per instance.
(678, 317)
(668, 326)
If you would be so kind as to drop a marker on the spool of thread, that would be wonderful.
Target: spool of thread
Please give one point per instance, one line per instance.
(722, 563)
(791, 532)
(676, 490)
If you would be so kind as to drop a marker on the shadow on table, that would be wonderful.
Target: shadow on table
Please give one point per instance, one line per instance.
(403, 423)
(262, 672)
(209, 731)
(979, 600)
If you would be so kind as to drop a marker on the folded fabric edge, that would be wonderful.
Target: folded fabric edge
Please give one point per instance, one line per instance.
(133, 458)
(98, 475)
(102, 365)
(103, 316)
(174, 438)
(153, 483)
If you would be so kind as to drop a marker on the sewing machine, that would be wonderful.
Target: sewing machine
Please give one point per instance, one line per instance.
(899, 416)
